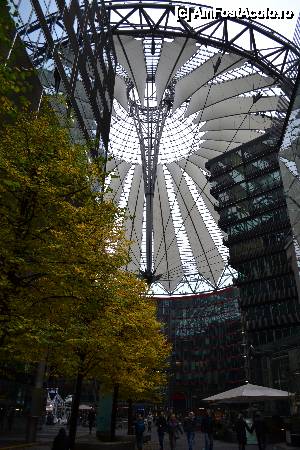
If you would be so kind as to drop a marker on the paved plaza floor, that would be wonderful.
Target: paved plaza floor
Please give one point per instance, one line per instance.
(47, 434)
(199, 444)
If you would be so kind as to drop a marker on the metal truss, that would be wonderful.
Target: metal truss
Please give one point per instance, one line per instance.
(92, 65)
(87, 28)
(156, 19)
(195, 283)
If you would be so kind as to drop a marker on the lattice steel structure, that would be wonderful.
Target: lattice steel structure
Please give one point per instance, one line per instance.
(184, 93)
(75, 60)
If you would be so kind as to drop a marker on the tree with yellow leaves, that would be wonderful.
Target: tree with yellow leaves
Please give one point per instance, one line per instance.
(58, 240)
(63, 294)
(62, 291)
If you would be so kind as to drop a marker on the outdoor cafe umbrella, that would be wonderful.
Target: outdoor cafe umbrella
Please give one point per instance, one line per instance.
(249, 393)
(84, 407)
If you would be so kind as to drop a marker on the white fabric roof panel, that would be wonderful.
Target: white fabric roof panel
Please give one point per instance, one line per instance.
(207, 257)
(189, 84)
(120, 92)
(112, 164)
(238, 105)
(173, 56)
(231, 135)
(166, 254)
(238, 122)
(134, 225)
(184, 238)
(219, 146)
(206, 153)
(202, 185)
(288, 153)
(117, 181)
(130, 54)
(214, 93)
(198, 160)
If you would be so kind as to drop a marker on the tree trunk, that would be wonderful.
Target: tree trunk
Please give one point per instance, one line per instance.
(114, 412)
(75, 409)
(130, 417)
(36, 403)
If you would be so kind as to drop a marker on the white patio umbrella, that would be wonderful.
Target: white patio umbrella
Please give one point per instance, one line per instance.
(84, 407)
(249, 393)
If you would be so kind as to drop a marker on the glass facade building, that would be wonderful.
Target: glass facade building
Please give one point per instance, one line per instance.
(289, 157)
(248, 186)
(202, 329)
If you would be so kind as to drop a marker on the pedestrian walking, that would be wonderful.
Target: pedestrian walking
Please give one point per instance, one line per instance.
(189, 427)
(240, 427)
(10, 418)
(174, 430)
(61, 441)
(91, 419)
(161, 425)
(260, 428)
(149, 422)
(207, 426)
(139, 427)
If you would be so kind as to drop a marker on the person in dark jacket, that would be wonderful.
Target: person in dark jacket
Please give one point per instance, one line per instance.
(139, 427)
(189, 427)
(259, 426)
(91, 419)
(161, 425)
(207, 428)
(61, 441)
(240, 427)
(174, 428)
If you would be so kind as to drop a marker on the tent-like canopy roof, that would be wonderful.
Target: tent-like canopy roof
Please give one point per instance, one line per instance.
(199, 102)
(183, 94)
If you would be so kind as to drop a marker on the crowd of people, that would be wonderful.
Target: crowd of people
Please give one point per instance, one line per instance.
(168, 424)
(171, 427)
